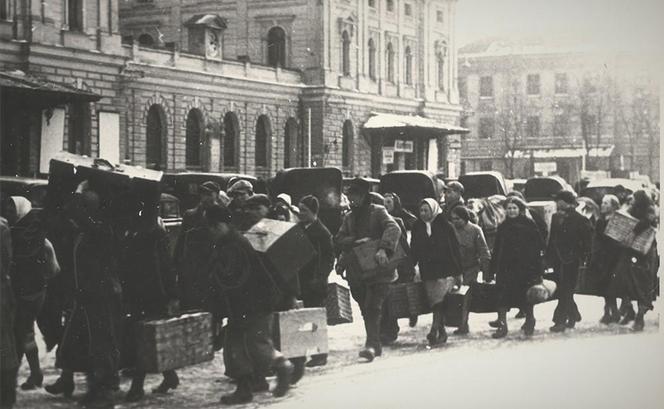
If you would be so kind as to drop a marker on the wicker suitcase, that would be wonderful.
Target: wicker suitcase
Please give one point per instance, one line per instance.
(339, 310)
(365, 258)
(408, 300)
(456, 306)
(298, 333)
(621, 229)
(175, 342)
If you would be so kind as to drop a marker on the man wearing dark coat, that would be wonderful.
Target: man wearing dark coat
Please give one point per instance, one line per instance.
(365, 222)
(8, 356)
(249, 294)
(453, 198)
(569, 247)
(91, 338)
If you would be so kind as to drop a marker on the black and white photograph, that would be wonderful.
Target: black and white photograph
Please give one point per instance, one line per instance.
(330, 204)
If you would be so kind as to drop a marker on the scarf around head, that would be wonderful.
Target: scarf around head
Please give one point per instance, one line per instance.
(435, 210)
(22, 205)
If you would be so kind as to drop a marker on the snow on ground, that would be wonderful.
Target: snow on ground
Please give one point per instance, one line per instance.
(592, 366)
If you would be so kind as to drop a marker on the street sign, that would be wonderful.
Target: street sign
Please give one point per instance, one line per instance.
(388, 155)
(403, 146)
(545, 168)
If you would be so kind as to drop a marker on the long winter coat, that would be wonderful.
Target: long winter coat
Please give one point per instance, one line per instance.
(313, 276)
(438, 256)
(603, 258)
(8, 355)
(516, 262)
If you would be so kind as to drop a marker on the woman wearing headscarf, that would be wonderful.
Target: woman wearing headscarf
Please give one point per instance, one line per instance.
(475, 256)
(395, 209)
(635, 273)
(435, 248)
(604, 257)
(313, 276)
(34, 264)
(516, 264)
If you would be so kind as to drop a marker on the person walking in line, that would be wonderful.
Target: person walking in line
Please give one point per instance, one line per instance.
(435, 248)
(635, 275)
(149, 288)
(604, 257)
(568, 248)
(516, 264)
(239, 192)
(365, 222)
(9, 362)
(475, 256)
(249, 294)
(453, 194)
(313, 276)
(395, 209)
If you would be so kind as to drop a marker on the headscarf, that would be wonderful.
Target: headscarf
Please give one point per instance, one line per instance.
(435, 210)
(22, 205)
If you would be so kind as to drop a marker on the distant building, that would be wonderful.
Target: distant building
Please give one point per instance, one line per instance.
(231, 85)
(538, 109)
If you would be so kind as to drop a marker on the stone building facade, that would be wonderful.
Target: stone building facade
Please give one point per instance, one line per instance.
(232, 86)
(543, 109)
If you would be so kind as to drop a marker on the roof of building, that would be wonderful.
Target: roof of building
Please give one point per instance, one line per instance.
(213, 21)
(383, 121)
(29, 83)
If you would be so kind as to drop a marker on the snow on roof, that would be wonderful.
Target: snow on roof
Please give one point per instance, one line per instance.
(382, 121)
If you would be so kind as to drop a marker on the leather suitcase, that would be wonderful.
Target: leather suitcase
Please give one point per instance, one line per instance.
(175, 342)
(299, 333)
(364, 257)
(338, 306)
(284, 244)
(483, 297)
(456, 306)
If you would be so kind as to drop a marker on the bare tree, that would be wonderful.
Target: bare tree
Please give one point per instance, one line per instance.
(510, 119)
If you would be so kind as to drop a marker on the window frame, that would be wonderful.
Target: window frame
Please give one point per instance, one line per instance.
(482, 88)
(483, 124)
(531, 84)
(533, 121)
(279, 54)
(558, 82)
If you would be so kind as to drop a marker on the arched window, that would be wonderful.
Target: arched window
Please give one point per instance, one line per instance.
(194, 138)
(276, 47)
(389, 55)
(345, 53)
(408, 61)
(231, 136)
(372, 59)
(75, 15)
(291, 143)
(347, 143)
(263, 135)
(145, 40)
(155, 137)
(79, 129)
(440, 60)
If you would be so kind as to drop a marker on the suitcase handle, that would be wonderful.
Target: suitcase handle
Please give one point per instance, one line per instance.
(98, 162)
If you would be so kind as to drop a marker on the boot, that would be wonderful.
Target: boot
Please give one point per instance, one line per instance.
(317, 360)
(63, 385)
(558, 327)
(432, 337)
(102, 399)
(639, 323)
(136, 391)
(628, 317)
(495, 323)
(462, 330)
(36, 376)
(412, 321)
(259, 384)
(501, 332)
(368, 353)
(606, 318)
(298, 370)
(614, 316)
(520, 315)
(571, 323)
(284, 370)
(170, 381)
(242, 393)
(529, 327)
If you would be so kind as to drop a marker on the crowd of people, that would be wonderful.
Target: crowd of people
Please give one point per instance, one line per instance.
(88, 281)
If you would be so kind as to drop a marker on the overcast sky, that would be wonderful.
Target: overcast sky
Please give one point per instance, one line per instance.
(616, 23)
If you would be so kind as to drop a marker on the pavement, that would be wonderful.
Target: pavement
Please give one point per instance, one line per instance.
(592, 366)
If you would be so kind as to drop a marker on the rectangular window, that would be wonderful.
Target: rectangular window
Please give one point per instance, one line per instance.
(533, 127)
(486, 87)
(486, 165)
(75, 15)
(408, 9)
(4, 10)
(561, 83)
(533, 84)
(560, 125)
(390, 5)
(440, 16)
(372, 4)
(591, 125)
(486, 128)
(463, 88)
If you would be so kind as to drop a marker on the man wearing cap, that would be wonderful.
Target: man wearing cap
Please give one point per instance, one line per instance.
(365, 222)
(453, 198)
(249, 294)
(568, 249)
(239, 192)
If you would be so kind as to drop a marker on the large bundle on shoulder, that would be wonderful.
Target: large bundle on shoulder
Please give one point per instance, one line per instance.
(621, 228)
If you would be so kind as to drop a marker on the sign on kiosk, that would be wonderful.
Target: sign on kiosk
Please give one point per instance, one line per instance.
(403, 146)
(545, 168)
(388, 155)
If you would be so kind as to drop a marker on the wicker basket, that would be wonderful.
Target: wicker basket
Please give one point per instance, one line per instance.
(408, 300)
(621, 229)
(339, 310)
(175, 342)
